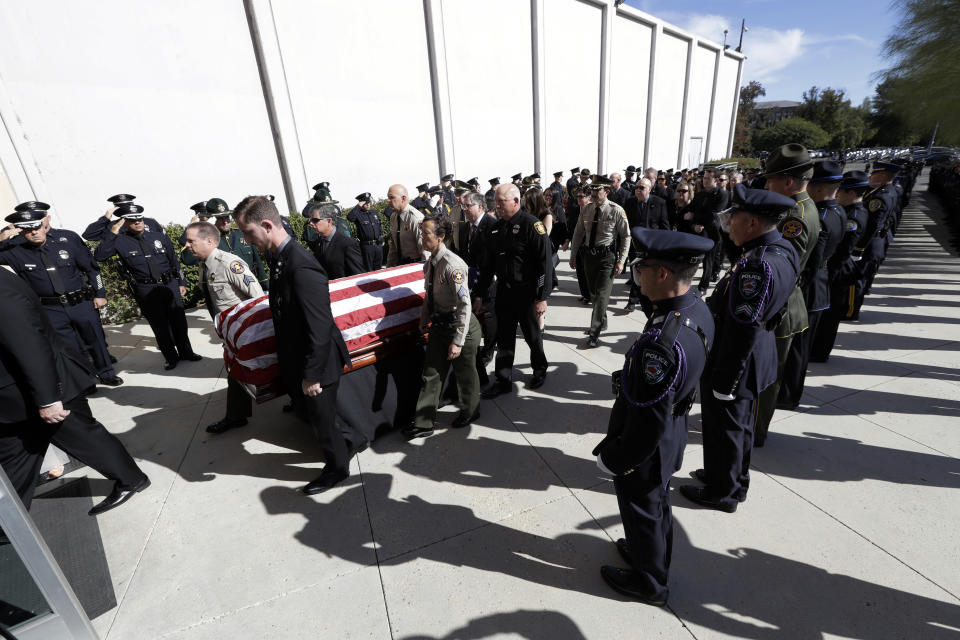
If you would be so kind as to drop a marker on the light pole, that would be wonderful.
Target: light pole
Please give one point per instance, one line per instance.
(724, 38)
(743, 27)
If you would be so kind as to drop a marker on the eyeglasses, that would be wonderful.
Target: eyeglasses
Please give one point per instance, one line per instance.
(721, 179)
(683, 190)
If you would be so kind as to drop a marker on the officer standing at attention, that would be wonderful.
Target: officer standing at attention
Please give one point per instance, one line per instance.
(156, 280)
(96, 229)
(231, 241)
(746, 304)
(815, 278)
(225, 281)
(789, 169)
(369, 231)
(454, 332)
(630, 178)
(449, 196)
(491, 192)
(405, 243)
(882, 211)
(58, 266)
(603, 229)
(519, 255)
(422, 201)
(647, 431)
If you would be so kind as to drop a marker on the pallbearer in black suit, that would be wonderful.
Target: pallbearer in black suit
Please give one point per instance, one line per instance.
(337, 254)
(152, 268)
(746, 305)
(655, 389)
(310, 348)
(42, 381)
(369, 230)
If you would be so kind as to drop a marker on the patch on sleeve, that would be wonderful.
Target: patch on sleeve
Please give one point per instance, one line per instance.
(852, 225)
(236, 266)
(651, 370)
(792, 229)
(458, 276)
(748, 294)
(540, 228)
(874, 205)
(654, 365)
(248, 279)
(462, 293)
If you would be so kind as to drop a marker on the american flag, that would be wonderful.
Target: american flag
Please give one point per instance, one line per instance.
(367, 308)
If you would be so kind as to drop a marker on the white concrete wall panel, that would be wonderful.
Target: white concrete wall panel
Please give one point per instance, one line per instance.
(668, 93)
(698, 103)
(723, 107)
(161, 100)
(489, 72)
(359, 80)
(630, 68)
(572, 32)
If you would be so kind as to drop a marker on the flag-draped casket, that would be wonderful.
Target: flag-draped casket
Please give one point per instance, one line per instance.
(378, 314)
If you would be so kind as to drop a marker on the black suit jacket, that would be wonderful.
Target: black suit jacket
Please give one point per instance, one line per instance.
(476, 252)
(340, 257)
(309, 345)
(36, 368)
(652, 214)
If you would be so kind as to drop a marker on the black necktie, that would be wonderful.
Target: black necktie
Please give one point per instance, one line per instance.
(430, 289)
(55, 280)
(473, 231)
(152, 268)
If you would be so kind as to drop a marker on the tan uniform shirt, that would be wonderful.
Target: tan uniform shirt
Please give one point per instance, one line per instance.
(607, 221)
(405, 236)
(450, 291)
(227, 280)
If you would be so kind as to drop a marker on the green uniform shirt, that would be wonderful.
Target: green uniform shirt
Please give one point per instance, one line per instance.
(801, 227)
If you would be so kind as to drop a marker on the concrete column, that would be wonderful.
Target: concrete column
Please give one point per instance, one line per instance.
(691, 48)
(654, 36)
(437, 54)
(608, 15)
(736, 106)
(276, 96)
(713, 98)
(539, 83)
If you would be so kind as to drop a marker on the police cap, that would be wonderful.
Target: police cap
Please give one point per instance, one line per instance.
(827, 171)
(200, 209)
(321, 185)
(423, 187)
(32, 205)
(364, 197)
(885, 165)
(671, 246)
(575, 171)
(517, 176)
(494, 181)
(854, 180)
(535, 175)
(130, 211)
(558, 174)
(26, 219)
(120, 198)
(447, 178)
(474, 182)
(760, 202)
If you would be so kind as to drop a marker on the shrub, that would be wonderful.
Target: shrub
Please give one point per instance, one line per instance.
(791, 130)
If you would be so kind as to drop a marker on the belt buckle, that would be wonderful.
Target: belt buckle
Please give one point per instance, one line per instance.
(63, 299)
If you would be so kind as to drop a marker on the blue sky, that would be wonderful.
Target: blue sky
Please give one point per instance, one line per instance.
(793, 46)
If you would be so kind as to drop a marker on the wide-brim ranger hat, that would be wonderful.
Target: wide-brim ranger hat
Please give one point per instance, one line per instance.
(27, 218)
(827, 171)
(630, 169)
(130, 211)
(32, 205)
(600, 182)
(855, 180)
(759, 202)
(671, 246)
(218, 207)
(790, 159)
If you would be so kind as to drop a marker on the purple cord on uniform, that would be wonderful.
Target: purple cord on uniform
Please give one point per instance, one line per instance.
(767, 273)
(680, 374)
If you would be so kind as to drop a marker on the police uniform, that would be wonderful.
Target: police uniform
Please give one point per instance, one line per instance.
(801, 227)
(882, 210)
(647, 430)
(519, 257)
(421, 202)
(321, 195)
(492, 191)
(405, 243)
(449, 196)
(231, 241)
(629, 182)
(369, 233)
(64, 275)
(149, 262)
(447, 311)
(815, 286)
(746, 305)
(225, 281)
(605, 233)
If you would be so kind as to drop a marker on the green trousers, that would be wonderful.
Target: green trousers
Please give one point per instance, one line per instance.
(435, 369)
(599, 271)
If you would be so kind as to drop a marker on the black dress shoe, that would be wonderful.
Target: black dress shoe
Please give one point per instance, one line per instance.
(464, 420)
(113, 358)
(701, 476)
(626, 581)
(170, 364)
(593, 341)
(327, 479)
(412, 432)
(225, 425)
(496, 389)
(118, 496)
(624, 550)
(536, 380)
(114, 381)
(700, 496)
(631, 307)
(192, 357)
(585, 301)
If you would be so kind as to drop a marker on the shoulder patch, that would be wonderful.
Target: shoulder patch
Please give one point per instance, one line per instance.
(654, 366)
(748, 295)
(458, 276)
(852, 225)
(874, 205)
(236, 266)
(792, 228)
(540, 228)
(650, 371)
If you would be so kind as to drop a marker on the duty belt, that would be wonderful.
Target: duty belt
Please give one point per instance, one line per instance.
(368, 243)
(67, 299)
(600, 251)
(444, 318)
(164, 279)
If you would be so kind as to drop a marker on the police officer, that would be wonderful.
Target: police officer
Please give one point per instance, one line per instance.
(630, 178)
(231, 241)
(842, 266)
(603, 229)
(321, 195)
(519, 256)
(743, 358)
(454, 332)
(96, 229)
(422, 201)
(882, 211)
(700, 218)
(369, 231)
(58, 266)
(491, 192)
(225, 281)
(815, 278)
(405, 243)
(449, 196)
(150, 262)
(647, 430)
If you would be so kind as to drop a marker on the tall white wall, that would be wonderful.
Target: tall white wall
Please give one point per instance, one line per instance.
(167, 100)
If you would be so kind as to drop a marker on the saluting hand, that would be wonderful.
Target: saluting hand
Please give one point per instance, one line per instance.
(8, 232)
(115, 229)
(109, 212)
(54, 413)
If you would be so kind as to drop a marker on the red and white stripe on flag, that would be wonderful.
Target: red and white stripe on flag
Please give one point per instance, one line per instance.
(366, 308)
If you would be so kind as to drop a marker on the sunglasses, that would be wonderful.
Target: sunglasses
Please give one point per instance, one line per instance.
(721, 179)
(683, 190)
(315, 220)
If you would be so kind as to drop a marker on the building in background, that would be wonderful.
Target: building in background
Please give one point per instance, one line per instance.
(178, 102)
(773, 111)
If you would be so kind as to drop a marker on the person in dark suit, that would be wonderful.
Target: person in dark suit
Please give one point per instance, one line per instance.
(472, 243)
(42, 381)
(337, 254)
(701, 219)
(310, 348)
(647, 211)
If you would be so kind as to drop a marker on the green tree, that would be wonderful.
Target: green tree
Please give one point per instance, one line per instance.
(890, 126)
(791, 130)
(746, 114)
(923, 84)
(830, 110)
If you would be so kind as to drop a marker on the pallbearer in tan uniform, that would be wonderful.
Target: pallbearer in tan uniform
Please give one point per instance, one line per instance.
(604, 233)
(405, 245)
(454, 331)
(225, 280)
